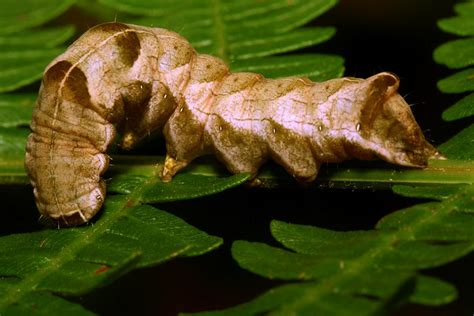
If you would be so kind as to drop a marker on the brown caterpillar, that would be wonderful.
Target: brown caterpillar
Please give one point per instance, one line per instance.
(142, 80)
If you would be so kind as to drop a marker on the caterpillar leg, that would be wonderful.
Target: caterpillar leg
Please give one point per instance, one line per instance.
(171, 167)
(238, 148)
(293, 152)
(183, 142)
(146, 108)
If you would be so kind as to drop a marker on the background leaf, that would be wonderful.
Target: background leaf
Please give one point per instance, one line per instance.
(20, 68)
(48, 37)
(458, 54)
(12, 153)
(463, 108)
(246, 31)
(127, 235)
(462, 24)
(24, 55)
(461, 145)
(366, 270)
(17, 16)
(460, 82)
(317, 67)
(16, 109)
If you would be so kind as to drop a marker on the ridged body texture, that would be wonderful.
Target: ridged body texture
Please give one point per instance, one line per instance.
(141, 80)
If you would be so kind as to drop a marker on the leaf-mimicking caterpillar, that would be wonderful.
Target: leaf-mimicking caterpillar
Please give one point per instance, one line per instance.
(140, 80)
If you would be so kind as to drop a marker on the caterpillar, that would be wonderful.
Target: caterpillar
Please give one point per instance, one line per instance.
(138, 80)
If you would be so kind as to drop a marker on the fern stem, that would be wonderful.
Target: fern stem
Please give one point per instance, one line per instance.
(352, 175)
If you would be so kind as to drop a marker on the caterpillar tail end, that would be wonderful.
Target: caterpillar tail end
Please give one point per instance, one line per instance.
(171, 167)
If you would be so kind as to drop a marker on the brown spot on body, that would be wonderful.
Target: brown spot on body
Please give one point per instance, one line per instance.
(127, 42)
(75, 84)
(129, 48)
(50, 85)
(55, 74)
(75, 88)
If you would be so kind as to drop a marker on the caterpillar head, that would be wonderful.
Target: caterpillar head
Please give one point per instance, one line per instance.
(386, 126)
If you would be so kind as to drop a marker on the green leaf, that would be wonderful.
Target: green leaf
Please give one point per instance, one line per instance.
(269, 44)
(47, 38)
(24, 55)
(270, 301)
(12, 153)
(432, 291)
(20, 68)
(461, 109)
(285, 299)
(35, 302)
(362, 269)
(463, 24)
(460, 82)
(440, 192)
(12, 143)
(279, 16)
(285, 265)
(243, 30)
(154, 7)
(176, 190)
(16, 109)
(360, 175)
(99, 11)
(456, 54)
(375, 175)
(460, 146)
(128, 235)
(15, 16)
(465, 8)
(330, 293)
(268, 14)
(460, 25)
(355, 176)
(179, 188)
(448, 236)
(317, 67)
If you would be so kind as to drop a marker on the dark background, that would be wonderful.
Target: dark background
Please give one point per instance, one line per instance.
(373, 36)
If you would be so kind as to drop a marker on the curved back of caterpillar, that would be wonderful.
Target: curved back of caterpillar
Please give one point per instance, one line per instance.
(142, 80)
